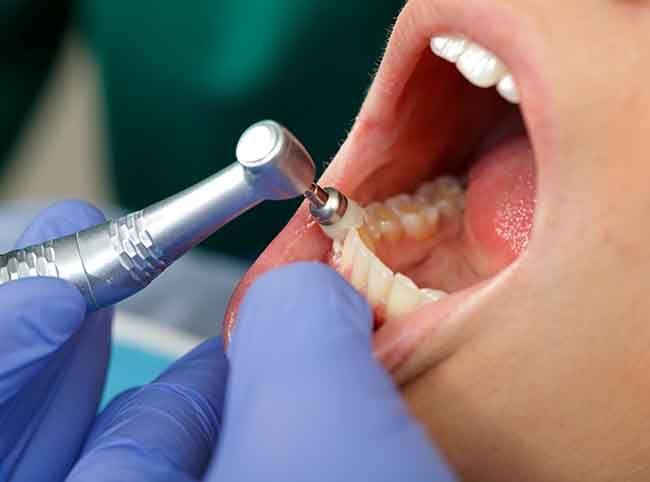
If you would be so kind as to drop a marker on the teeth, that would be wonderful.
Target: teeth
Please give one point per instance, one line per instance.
(380, 281)
(371, 277)
(416, 216)
(477, 64)
(387, 221)
(447, 186)
(432, 216)
(416, 226)
(360, 268)
(429, 295)
(372, 225)
(508, 89)
(402, 204)
(449, 48)
(404, 297)
(350, 248)
(481, 67)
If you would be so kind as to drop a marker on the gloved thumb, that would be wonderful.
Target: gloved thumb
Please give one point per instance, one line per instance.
(306, 398)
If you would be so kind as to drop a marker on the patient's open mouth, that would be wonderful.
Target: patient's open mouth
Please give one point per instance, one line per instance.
(443, 163)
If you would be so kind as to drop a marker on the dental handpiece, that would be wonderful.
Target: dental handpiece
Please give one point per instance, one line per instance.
(114, 260)
(335, 213)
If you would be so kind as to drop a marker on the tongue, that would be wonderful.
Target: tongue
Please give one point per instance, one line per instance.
(500, 204)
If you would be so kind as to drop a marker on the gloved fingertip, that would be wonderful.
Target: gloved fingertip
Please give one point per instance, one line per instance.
(174, 421)
(302, 368)
(60, 219)
(206, 366)
(301, 304)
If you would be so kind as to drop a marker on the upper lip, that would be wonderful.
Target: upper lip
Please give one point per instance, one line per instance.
(497, 27)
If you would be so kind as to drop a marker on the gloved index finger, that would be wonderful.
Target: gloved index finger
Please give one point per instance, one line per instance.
(306, 398)
(60, 219)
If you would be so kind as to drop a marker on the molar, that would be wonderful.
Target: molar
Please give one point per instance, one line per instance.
(416, 226)
(387, 221)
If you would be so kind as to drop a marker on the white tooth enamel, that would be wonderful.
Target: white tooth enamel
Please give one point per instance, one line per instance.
(395, 202)
(360, 267)
(349, 249)
(508, 89)
(403, 298)
(380, 280)
(445, 207)
(429, 295)
(415, 225)
(480, 66)
(448, 186)
(337, 248)
(432, 215)
(425, 193)
(449, 48)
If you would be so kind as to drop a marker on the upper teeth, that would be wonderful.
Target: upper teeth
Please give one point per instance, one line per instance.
(477, 64)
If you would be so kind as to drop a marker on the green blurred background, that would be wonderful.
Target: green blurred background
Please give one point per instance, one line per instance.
(124, 102)
(155, 93)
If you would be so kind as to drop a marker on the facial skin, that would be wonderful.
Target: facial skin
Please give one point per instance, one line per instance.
(542, 372)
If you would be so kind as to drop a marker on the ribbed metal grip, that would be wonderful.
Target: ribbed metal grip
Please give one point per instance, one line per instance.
(37, 260)
(116, 259)
(107, 262)
(135, 248)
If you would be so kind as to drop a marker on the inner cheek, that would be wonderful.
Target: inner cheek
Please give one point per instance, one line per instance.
(411, 138)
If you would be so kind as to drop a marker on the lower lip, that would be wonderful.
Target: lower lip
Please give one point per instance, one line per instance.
(408, 346)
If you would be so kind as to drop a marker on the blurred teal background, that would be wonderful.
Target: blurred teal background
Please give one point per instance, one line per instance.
(131, 366)
(175, 84)
(141, 351)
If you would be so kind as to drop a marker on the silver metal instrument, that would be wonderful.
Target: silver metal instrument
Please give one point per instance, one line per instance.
(114, 260)
(327, 205)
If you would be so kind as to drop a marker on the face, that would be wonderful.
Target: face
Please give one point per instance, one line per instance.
(535, 366)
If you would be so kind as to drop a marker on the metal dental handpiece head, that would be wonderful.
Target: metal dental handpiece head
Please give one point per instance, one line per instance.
(114, 260)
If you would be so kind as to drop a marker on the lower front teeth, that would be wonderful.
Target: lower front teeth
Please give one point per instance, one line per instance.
(477, 64)
(391, 295)
(415, 217)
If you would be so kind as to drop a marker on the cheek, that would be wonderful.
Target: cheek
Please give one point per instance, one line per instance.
(538, 375)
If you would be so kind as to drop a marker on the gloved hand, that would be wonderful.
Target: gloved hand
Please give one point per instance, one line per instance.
(53, 361)
(305, 401)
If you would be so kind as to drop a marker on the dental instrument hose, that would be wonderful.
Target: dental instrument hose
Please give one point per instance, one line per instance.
(118, 258)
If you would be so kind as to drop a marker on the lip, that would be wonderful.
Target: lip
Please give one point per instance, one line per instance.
(515, 40)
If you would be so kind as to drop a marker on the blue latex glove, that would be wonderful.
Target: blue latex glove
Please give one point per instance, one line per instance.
(53, 361)
(305, 401)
